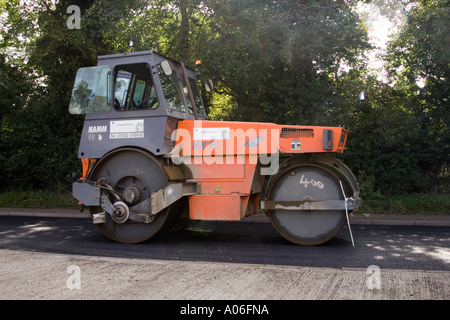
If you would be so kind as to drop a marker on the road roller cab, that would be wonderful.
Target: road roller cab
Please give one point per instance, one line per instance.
(133, 99)
(153, 162)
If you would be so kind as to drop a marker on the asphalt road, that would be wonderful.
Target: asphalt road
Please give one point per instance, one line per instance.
(217, 260)
(393, 247)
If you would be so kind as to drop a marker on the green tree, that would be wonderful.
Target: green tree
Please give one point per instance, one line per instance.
(283, 61)
(384, 148)
(278, 60)
(419, 63)
(399, 139)
(14, 87)
(39, 137)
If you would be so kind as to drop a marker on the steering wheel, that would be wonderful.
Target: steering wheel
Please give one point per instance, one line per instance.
(149, 102)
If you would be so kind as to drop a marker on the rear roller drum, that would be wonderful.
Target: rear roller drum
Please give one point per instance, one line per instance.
(135, 175)
(300, 180)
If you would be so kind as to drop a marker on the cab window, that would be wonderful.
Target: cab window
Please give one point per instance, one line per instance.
(133, 88)
(197, 97)
(172, 92)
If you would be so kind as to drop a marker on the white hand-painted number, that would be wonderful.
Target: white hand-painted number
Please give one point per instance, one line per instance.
(313, 182)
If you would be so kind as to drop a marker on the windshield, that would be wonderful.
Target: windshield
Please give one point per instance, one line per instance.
(90, 92)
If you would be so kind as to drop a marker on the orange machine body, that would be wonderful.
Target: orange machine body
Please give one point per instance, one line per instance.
(230, 159)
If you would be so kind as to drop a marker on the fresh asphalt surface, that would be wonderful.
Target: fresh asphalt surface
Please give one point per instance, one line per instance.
(389, 247)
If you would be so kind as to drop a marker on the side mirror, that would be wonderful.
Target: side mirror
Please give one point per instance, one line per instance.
(165, 66)
(209, 85)
(362, 96)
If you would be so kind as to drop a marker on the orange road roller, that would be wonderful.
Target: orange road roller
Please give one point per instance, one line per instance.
(152, 162)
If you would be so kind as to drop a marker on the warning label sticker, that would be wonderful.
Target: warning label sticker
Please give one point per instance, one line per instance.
(126, 129)
(211, 133)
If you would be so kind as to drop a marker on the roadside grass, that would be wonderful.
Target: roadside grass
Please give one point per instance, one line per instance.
(381, 204)
(37, 199)
(407, 204)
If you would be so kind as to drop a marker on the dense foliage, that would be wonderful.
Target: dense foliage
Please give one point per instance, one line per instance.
(283, 61)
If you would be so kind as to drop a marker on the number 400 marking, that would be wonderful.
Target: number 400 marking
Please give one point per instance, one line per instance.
(311, 182)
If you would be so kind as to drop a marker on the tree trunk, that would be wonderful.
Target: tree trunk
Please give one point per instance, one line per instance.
(183, 38)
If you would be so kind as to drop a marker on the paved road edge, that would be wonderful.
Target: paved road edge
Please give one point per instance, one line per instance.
(359, 218)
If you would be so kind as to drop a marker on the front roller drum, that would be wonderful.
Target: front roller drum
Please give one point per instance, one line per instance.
(309, 180)
(135, 175)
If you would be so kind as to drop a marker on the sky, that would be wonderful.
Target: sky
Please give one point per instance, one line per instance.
(383, 20)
